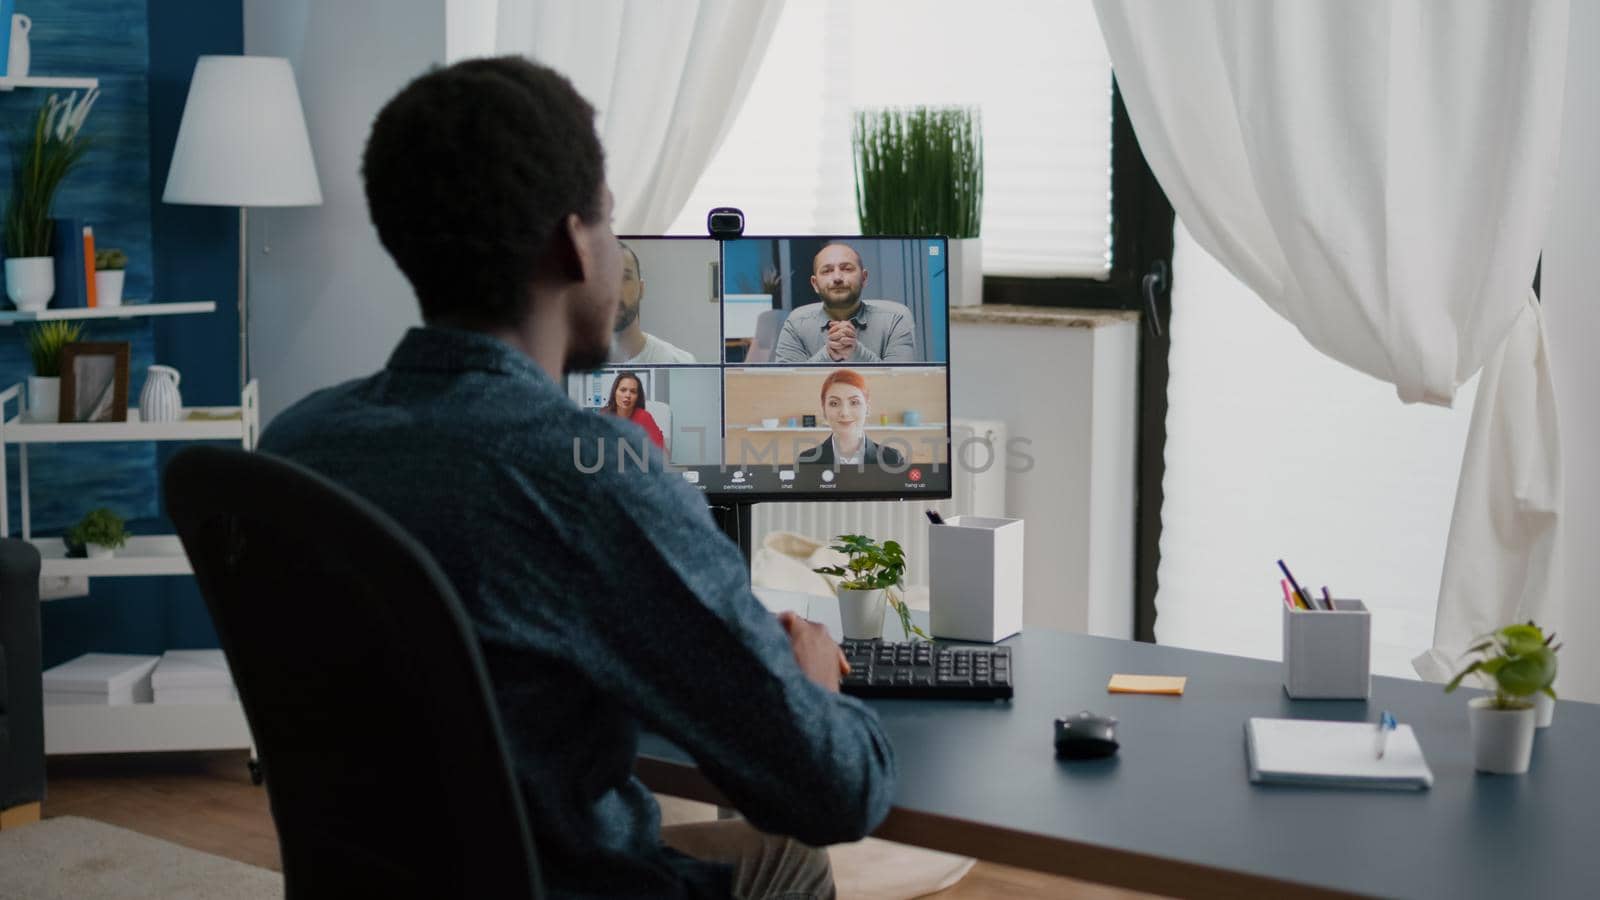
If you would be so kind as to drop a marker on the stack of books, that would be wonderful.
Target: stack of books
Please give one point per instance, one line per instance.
(193, 677)
(100, 679)
(73, 250)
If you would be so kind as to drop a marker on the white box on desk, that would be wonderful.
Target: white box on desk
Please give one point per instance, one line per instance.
(975, 578)
(1327, 654)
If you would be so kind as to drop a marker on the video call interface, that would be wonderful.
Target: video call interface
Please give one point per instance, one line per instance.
(783, 367)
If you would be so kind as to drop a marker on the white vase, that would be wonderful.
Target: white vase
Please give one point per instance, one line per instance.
(1502, 739)
(44, 398)
(966, 271)
(31, 282)
(98, 551)
(1546, 709)
(159, 400)
(861, 613)
(108, 287)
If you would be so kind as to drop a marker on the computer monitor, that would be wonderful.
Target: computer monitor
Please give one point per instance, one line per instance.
(785, 368)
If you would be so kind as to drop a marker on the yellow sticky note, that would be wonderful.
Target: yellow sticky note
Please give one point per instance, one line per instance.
(1148, 684)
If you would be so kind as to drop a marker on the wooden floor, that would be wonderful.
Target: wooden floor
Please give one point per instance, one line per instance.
(205, 801)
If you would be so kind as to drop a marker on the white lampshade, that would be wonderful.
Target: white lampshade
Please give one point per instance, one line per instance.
(243, 138)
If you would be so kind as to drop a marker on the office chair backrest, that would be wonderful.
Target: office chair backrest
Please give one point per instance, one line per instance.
(362, 681)
(768, 325)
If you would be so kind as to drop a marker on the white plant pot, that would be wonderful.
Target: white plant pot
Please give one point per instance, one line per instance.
(108, 287)
(1502, 739)
(31, 282)
(44, 398)
(99, 551)
(861, 613)
(966, 271)
(1546, 709)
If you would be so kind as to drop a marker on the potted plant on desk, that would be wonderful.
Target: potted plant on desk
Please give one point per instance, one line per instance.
(1516, 662)
(99, 534)
(869, 572)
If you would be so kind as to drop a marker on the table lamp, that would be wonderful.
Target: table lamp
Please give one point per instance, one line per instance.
(243, 142)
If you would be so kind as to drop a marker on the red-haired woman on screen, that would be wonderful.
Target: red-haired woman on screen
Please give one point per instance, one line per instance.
(846, 406)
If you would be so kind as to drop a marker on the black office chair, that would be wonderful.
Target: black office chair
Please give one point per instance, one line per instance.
(21, 677)
(362, 681)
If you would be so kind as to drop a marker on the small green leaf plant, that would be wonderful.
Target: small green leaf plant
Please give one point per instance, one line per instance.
(1515, 662)
(45, 341)
(870, 567)
(110, 260)
(101, 526)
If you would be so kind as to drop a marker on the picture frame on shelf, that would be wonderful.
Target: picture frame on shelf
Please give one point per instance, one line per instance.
(94, 381)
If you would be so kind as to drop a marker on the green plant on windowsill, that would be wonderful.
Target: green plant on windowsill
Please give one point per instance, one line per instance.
(870, 567)
(1516, 662)
(45, 342)
(110, 260)
(919, 171)
(100, 527)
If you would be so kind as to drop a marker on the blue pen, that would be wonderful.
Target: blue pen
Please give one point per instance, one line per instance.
(1386, 724)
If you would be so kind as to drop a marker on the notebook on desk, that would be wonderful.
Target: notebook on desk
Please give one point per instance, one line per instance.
(1334, 754)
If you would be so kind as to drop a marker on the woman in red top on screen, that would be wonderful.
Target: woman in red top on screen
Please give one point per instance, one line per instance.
(627, 401)
(846, 404)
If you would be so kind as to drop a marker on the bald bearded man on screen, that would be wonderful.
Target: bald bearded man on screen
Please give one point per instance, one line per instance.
(844, 327)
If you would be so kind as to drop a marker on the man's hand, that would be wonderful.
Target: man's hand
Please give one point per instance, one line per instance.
(819, 657)
(841, 340)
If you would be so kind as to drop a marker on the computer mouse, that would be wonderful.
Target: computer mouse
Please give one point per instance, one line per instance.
(1086, 735)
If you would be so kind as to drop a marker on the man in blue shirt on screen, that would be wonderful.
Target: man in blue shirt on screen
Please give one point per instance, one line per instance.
(606, 602)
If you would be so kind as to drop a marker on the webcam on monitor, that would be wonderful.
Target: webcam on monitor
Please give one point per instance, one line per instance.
(725, 223)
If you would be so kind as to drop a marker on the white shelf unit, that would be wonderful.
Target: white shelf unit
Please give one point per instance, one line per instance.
(144, 555)
(141, 727)
(58, 82)
(124, 311)
(144, 728)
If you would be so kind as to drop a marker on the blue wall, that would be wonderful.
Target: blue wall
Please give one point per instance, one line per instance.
(143, 53)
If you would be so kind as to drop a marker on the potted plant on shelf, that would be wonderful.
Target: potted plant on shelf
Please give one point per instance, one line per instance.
(109, 268)
(99, 534)
(1516, 662)
(920, 171)
(45, 341)
(40, 159)
(871, 569)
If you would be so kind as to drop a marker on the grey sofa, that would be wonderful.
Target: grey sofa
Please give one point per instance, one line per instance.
(21, 685)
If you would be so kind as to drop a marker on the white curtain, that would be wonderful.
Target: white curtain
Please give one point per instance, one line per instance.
(1380, 174)
(667, 79)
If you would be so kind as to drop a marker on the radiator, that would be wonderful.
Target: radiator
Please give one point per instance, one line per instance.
(975, 444)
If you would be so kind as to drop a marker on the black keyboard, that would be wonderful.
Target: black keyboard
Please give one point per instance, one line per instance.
(918, 669)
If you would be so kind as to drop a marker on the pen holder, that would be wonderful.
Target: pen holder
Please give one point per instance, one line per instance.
(975, 578)
(1327, 654)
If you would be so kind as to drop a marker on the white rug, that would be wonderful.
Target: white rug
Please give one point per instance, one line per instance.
(69, 858)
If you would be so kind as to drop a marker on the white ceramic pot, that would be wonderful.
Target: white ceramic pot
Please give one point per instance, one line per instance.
(1502, 739)
(966, 271)
(98, 551)
(31, 282)
(1546, 709)
(159, 400)
(861, 613)
(108, 287)
(44, 398)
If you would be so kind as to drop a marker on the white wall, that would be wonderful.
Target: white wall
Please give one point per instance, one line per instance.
(1071, 393)
(1572, 317)
(326, 302)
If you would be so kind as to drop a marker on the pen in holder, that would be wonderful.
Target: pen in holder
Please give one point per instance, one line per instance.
(1327, 654)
